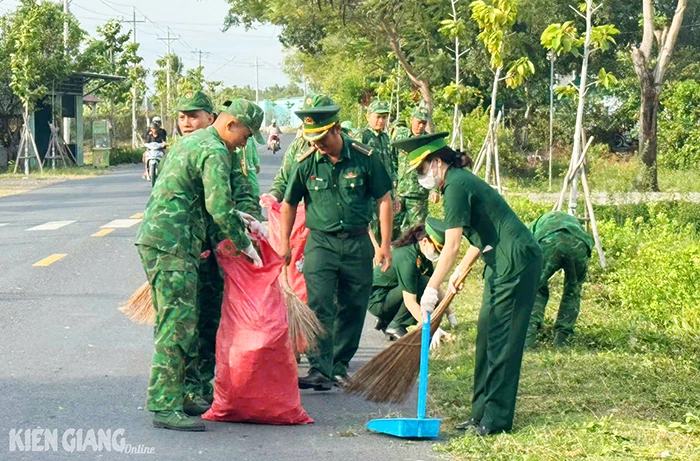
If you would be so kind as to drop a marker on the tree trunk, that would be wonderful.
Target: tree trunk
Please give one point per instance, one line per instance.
(648, 146)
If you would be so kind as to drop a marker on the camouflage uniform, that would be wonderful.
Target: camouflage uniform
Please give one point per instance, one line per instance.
(199, 367)
(565, 245)
(413, 196)
(194, 182)
(296, 149)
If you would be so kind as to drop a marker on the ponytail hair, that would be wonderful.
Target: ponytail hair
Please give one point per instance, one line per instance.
(455, 158)
(412, 235)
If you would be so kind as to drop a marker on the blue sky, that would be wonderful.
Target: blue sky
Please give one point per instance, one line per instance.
(197, 24)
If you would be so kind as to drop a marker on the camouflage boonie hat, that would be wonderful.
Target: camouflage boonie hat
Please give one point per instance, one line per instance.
(195, 100)
(379, 107)
(421, 113)
(248, 113)
(319, 114)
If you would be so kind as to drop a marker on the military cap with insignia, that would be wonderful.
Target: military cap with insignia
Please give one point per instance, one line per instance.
(248, 113)
(195, 100)
(421, 113)
(419, 147)
(319, 114)
(379, 107)
(436, 231)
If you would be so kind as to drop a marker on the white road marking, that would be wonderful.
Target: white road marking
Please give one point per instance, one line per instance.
(121, 223)
(3, 224)
(51, 225)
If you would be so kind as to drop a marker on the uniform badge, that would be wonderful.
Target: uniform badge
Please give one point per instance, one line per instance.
(309, 101)
(309, 121)
(351, 175)
(189, 95)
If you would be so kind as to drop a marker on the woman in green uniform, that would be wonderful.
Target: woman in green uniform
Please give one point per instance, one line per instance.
(396, 293)
(473, 209)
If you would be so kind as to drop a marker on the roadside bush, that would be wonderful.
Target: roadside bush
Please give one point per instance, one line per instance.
(122, 155)
(679, 135)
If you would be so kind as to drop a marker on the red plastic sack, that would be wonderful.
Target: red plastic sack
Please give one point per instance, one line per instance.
(256, 372)
(297, 241)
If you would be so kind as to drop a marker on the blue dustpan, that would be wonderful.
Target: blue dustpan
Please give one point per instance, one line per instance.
(420, 427)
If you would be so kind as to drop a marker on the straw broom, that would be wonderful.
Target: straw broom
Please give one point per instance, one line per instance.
(304, 327)
(390, 375)
(139, 307)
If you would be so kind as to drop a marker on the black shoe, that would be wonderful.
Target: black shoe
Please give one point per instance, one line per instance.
(342, 381)
(468, 424)
(394, 334)
(380, 325)
(483, 431)
(315, 380)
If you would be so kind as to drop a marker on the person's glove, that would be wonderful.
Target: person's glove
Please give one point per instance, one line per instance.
(428, 301)
(452, 319)
(437, 337)
(253, 225)
(452, 284)
(253, 255)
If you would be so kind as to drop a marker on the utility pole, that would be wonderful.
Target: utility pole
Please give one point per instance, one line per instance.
(257, 81)
(134, 137)
(200, 53)
(168, 40)
(66, 12)
(65, 122)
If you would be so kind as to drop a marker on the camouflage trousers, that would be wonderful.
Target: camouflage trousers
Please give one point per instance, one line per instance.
(200, 365)
(560, 250)
(413, 211)
(174, 288)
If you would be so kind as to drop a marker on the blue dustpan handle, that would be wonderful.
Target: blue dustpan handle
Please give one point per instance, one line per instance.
(423, 376)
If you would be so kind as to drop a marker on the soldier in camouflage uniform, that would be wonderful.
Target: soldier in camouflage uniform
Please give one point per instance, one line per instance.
(376, 138)
(565, 245)
(296, 149)
(194, 183)
(413, 197)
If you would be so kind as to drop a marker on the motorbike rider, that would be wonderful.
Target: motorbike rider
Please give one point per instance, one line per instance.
(274, 136)
(155, 134)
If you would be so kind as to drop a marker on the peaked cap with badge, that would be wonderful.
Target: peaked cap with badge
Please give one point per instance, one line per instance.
(419, 147)
(435, 229)
(319, 114)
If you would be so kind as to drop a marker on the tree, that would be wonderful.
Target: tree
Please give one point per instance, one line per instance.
(651, 69)
(495, 20)
(37, 60)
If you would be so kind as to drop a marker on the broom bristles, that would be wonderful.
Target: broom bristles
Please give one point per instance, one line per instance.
(390, 375)
(304, 327)
(139, 307)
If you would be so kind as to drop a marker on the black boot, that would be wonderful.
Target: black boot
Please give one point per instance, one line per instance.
(471, 422)
(315, 380)
(394, 334)
(380, 324)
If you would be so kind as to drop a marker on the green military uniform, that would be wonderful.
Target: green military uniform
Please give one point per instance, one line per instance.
(413, 196)
(294, 152)
(565, 245)
(252, 162)
(380, 144)
(339, 199)
(193, 184)
(409, 272)
(513, 266)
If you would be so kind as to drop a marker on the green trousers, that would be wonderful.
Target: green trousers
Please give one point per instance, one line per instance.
(174, 290)
(387, 304)
(413, 211)
(200, 364)
(338, 274)
(560, 250)
(500, 340)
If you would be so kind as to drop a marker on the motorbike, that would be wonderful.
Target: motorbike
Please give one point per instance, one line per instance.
(273, 144)
(155, 151)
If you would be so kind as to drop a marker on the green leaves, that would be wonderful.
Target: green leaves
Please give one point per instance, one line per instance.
(606, 79)
(562, 38)
(518, 71)
(461, 94)
(567, 91)
(494, 19)
(602, 37)
(452, 28)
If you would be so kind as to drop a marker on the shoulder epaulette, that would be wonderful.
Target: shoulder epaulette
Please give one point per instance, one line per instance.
(305, 155)
(361, 148)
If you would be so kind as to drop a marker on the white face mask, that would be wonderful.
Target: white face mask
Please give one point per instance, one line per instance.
(428, 180)
(432, 254)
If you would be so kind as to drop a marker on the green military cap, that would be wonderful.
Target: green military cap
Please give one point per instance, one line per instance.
(379, 107)
(421, 113)
(436, 231)
(248, 113)
(195, 100)
(319, 114)
(419, 147)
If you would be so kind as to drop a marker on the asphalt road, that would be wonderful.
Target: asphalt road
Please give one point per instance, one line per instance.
(71, 361)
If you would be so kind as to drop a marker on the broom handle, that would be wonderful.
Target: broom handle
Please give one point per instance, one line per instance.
(445, 303)
(423, 376)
